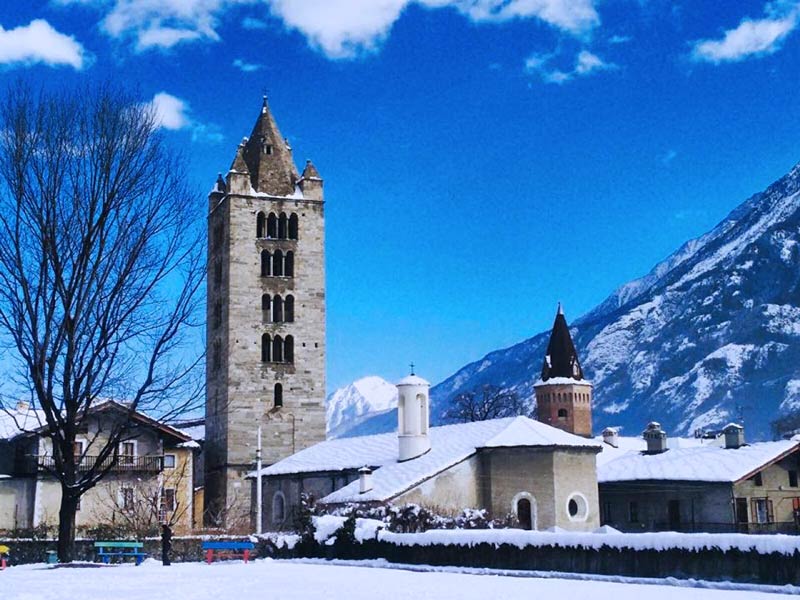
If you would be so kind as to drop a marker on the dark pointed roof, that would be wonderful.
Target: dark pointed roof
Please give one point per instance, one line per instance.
(239, 165)
(561, 359)
(310, 172)
(269, 157)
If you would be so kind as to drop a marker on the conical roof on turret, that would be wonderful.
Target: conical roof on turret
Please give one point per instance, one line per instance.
(239, 165)
(269, 157)
(561, 359)
(310, 171)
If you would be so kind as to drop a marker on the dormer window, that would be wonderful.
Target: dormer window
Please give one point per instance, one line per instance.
(267, 149)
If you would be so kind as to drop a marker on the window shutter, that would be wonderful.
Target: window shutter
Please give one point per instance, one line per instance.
(770, 514)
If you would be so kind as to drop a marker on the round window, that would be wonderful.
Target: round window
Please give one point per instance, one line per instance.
(577, 507)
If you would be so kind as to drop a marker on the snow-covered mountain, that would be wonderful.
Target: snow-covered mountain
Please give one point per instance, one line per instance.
(348, 406)
(710, 335)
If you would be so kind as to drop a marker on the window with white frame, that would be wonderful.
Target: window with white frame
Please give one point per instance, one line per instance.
(169, 461)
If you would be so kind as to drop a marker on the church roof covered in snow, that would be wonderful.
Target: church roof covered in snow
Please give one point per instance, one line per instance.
(450, 444)
(708, 462)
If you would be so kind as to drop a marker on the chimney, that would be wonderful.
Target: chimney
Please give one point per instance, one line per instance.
(364, 480)
(655, 437)
(734, 435)
(611, 436)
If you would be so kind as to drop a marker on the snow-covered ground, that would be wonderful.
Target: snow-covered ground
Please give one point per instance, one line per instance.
(287, 580)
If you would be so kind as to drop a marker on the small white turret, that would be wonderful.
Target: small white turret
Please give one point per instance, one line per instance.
(413, 417)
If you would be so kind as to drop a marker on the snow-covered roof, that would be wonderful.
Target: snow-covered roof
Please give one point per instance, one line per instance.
(636, 445)
(19, 420)
(450, 444)
(709, 462)
(412, 380)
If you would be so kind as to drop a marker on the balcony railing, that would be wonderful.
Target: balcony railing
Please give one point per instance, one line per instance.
(124, 464)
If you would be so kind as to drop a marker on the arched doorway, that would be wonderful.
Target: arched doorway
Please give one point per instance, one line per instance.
(523, 507)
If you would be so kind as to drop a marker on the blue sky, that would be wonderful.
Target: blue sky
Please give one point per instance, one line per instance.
(483, 159)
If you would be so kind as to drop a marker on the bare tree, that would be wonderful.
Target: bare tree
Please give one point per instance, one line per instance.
(100, 271)
(484, 403)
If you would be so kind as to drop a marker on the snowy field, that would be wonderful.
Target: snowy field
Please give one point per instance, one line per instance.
(284, 580)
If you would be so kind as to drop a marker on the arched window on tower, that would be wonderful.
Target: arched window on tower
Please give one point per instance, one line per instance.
(288, 309)
(288, 349)
(261, 225)
(283, 223)
(277, 264)
(294, 223)
(278, 395)
(272, 226)
(277, 309)
(289, 264)
(277, 349)
(266, 348)
(266, 259)
(266, 307)
(562, 414)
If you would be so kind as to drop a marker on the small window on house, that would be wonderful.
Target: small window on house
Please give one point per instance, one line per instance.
(278, 395)
(167, 504)
(757, 480)
(562, 414)
(278, 507)
(126, 498)
(608, 513)
(169, 461)
(633, 512)
(762, 510)
(127, 453)
(792, 478)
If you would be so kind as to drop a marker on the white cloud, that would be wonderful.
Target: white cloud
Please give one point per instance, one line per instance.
(246, 66)
(346, 28)
(38, 42)
(173, 113)
(586, 63)
(752, 38)
(170, 111)
(337, 28)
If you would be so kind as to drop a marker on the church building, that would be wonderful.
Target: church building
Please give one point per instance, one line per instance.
(265, 363)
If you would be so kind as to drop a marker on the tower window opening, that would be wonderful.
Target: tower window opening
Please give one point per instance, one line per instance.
(283, 224)
(266, 303)
(277, 349)
(289, 264)
(266, 347)
(277, 310)
(288, 349)
(261, 225)
(277, 264)
(272, 226)
(562, 414)
(288, 309)
(293, 226)
(278, 399)
(268, 149)
(266, 259)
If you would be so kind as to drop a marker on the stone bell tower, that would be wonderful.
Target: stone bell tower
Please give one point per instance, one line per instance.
(265, 362)
(563, 396)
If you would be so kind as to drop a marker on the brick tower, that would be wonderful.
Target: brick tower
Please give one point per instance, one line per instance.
(265, 361)
(563, 396)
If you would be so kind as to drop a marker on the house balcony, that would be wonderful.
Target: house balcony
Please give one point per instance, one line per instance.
(125, 464)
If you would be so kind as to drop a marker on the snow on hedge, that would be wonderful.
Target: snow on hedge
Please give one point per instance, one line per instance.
(661, 541)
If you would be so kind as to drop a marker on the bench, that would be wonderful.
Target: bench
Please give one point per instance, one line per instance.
(227, 547)
(4, 552)
(105, 550)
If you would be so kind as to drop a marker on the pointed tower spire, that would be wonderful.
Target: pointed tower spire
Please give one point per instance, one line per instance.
(561, 359)
(269, 157)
